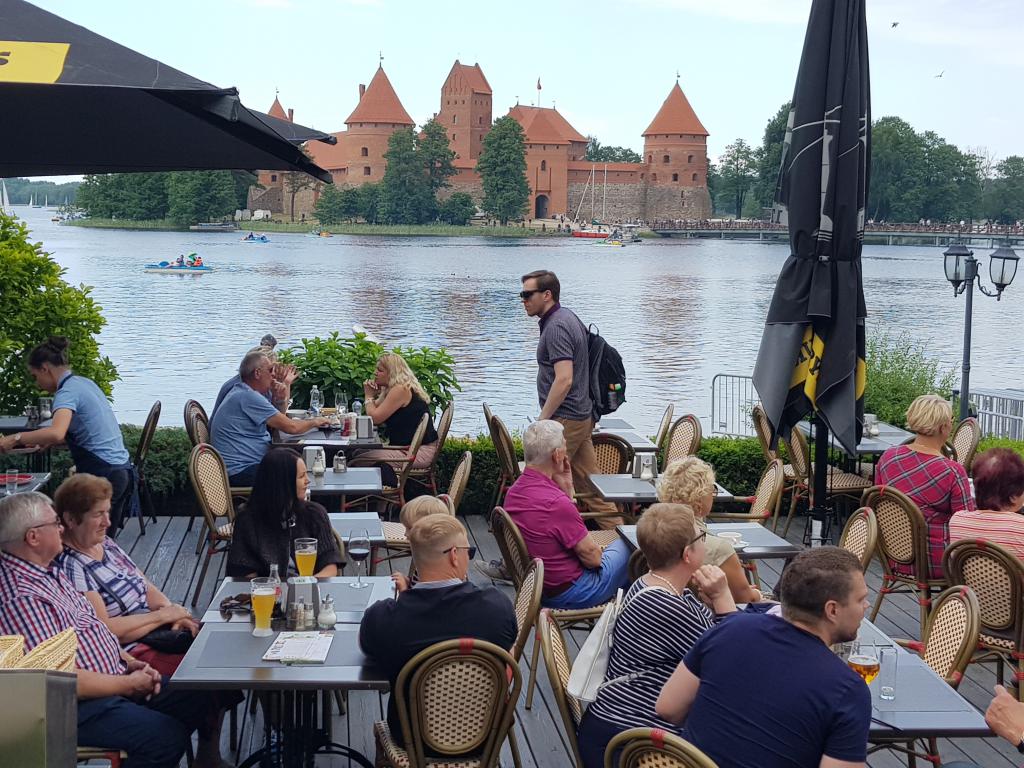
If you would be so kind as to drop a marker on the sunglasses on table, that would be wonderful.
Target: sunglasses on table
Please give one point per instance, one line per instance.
(470, 551)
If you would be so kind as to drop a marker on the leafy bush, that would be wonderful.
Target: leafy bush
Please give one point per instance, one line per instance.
(899, 370)
(738, 462)
(343, 364)
(36, 303)
(483, 478)
(1001, 442)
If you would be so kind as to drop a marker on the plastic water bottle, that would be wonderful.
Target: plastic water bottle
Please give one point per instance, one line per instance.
(314, 400)
(357, 407)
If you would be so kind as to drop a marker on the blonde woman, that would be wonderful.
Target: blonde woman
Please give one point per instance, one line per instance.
(691, 481)
(397, 401)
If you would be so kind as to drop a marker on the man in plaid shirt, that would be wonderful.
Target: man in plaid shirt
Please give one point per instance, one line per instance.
(122, 703)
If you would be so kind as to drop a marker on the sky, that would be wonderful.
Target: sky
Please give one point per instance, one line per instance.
(607, 66)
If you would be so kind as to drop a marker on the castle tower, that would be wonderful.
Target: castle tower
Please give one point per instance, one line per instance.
(466, 109)
(676, 156)
(269, 179)
(378, 114)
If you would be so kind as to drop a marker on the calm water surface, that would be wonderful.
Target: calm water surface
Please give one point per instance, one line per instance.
(678, 311)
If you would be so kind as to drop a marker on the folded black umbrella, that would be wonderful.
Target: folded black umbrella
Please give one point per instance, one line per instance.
(76, 102)
(812, 351)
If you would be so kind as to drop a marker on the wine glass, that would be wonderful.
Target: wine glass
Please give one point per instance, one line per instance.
(358, 546)
(340, 401)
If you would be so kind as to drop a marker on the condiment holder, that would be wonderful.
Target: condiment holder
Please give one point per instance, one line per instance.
(303, 601)
(645, 466)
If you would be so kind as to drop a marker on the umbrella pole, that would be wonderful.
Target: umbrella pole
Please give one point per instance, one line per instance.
(819, 520)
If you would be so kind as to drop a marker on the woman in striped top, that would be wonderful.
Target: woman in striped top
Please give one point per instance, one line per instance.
(660, 621)
(999, 494)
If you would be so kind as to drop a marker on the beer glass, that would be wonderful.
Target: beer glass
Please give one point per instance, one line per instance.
(864, 661)
(264, 595)
(305, 556)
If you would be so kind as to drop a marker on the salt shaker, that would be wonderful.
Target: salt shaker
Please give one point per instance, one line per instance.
(340, 465)
(328, 617)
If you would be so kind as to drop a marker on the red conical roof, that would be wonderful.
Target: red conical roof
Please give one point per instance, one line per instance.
(276, 110)
(676, 116)
(380, 104)
(472, 75)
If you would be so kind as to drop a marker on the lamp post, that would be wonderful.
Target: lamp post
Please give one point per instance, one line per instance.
(962, 271)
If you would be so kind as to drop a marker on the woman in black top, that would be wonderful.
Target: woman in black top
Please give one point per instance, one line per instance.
(277, 513)
(397, 401)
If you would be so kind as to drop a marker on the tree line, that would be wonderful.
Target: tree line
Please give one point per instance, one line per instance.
(915, 176)
(21, 191)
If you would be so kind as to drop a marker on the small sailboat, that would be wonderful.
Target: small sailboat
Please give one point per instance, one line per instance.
(5, 202)
(32, 202)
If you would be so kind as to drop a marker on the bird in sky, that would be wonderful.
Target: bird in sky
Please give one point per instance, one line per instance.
(941, 73)
(894, 25)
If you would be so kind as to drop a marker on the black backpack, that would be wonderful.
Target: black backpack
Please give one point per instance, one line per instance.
(607, 374)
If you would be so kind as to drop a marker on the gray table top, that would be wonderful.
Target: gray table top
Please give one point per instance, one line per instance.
(355, 480)
(762, 544)
(626, 488)
(330, 439)
(39, 479)
(349, 603)
(227, 656)
(345, 522)
(612, 424)
(11, 424)
(637, 442)
(888, 436)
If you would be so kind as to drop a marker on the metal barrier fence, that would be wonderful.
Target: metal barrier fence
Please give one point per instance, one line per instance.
(732, 400)
(1000, 411)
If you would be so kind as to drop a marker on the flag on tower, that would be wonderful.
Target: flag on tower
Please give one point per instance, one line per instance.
(538, 83)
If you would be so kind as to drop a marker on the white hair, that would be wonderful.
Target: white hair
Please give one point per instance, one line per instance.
(541, 439)
(20, 512)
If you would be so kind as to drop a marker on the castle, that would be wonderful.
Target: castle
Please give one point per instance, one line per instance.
(670, 182)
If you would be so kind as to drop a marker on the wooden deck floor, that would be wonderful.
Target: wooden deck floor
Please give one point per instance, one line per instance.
(167, 554)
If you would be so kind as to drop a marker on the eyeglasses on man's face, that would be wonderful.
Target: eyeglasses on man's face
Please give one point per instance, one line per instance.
(57, 522)
(525, 295)
(470, 551)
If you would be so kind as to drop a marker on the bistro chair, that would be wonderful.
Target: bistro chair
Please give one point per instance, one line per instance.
(527, 605)
(637, 565)
(393, 496)
(666, 422)
(653, 748)
(558, 664)
(763, 430)
(139, 461)
(947, 644)
(460, 479)
(488, 420)
(209, 479)
(508, 462)
(197, 423)
(614, 457)
(965, 441)
(860, 536)
(427, 476)
(902, 541)
(997, 578)
(456, 699)
(447, 500)
(683, 439)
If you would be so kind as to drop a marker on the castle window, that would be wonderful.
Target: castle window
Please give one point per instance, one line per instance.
(364, 152)
(664, 158)
(694, 177)
(453, 137)
(455, 119)
(543, 165)
(650, 158)
(366, 170)
(480, 120)
(654, 177)
(641, 177)
(675, 177)
(689, 158)
(273, 177)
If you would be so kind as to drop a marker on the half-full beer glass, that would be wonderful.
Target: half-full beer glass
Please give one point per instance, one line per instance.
(264, 595)
(305, 556)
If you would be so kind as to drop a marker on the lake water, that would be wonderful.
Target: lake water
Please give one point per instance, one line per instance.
(678, 311)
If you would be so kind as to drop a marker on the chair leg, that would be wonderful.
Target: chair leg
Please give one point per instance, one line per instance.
(924, 599)
(880, 598)
(202, 575)
(203, 533)
(534, 659)
(794, 500)
(513, 746)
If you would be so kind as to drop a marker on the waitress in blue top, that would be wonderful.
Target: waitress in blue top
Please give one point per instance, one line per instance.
(82, 418)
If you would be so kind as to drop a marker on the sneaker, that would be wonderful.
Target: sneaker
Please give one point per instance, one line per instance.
(495, 569)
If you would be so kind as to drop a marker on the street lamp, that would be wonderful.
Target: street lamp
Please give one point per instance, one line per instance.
(962, 271)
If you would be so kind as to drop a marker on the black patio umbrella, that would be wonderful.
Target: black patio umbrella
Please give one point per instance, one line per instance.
(812, 352)
(76, 102)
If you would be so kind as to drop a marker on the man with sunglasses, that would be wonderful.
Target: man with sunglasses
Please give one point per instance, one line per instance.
(563, 382)
(442, 605)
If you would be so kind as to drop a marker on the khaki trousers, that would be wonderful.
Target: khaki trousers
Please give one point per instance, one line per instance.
(580, 448)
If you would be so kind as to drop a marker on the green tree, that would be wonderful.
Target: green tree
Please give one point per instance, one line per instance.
(436, 155)
(598, 153)
(714, 186)
(37, 303)
(1004, 196)
(406, 196)
(897, 167)
(196, 196)
(502, 169)
(951, 181)
(768, 157)
(736, 171)
(368, 203)
(457, 209)
(243, 181)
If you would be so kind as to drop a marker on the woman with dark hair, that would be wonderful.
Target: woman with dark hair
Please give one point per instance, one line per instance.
(277, 513)
(82, 418)
(999, 496)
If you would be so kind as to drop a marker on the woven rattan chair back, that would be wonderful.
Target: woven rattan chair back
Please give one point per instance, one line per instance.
(614, 455)
(860, 536)
(965, 441)
(444, 426)
(997, 578)
(414, 447)
(197, 423)
(799, 454)
(458, 698)
(683, 438)
(488, 417)
(763, 430)
(146, 436)
(653, 748)
(209, 479)
(511, 545)
(505, 449)
(951, 635)
(527, 605)
(447, 500)
(902, 532)
(666, 422)
(637, 565)
(556, 661)
(769, 490)
(460, 478)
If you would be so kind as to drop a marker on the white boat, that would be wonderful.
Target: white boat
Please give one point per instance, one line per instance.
(5, 202)
(32, 202)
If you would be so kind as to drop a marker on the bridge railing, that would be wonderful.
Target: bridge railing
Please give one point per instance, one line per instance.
(732, 400)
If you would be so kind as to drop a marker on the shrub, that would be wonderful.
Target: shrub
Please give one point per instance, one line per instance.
(1001, 442)
(343, 364)
(35, 303)
(899, 370)
(738, 462)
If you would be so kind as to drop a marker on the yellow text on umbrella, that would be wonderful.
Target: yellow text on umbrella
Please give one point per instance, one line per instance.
(30, 62)
(808, 366)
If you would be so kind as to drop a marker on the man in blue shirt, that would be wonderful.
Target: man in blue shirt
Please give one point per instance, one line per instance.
(761, 691)
(239, 427)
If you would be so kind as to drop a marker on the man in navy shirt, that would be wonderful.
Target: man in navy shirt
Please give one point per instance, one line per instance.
(761, 691)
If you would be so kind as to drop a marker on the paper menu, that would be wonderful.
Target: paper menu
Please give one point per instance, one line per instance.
(300, 648)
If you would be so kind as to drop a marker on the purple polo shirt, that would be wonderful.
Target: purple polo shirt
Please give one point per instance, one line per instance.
(550, 523)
